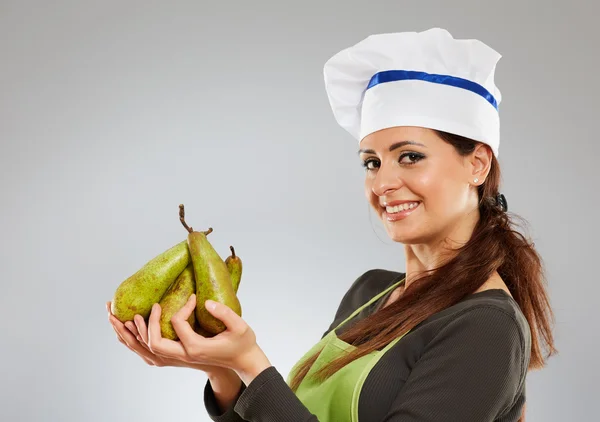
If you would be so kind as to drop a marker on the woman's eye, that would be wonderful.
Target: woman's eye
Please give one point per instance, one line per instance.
(413, 158)
(366, 164)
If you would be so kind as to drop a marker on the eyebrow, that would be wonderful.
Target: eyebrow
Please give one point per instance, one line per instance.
(392, 147)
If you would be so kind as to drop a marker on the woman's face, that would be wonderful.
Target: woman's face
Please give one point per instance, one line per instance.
(433, 183)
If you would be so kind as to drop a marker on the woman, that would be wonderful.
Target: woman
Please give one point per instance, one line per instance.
(453, 337)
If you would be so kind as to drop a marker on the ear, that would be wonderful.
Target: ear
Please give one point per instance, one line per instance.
(479, 163)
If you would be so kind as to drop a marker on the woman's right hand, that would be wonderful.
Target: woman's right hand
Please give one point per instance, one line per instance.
(225, 382)
(135, 337)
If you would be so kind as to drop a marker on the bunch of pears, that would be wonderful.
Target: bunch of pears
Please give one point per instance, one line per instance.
(191, 266)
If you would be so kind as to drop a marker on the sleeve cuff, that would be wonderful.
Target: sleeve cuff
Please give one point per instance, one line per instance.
(268, 398)
(213, 410)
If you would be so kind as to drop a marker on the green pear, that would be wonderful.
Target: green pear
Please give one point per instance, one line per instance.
(213, 280)
(198, 329)
(139, 292)
(174, 299)
(234, 265)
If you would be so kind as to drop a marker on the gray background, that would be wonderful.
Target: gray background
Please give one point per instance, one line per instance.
(113, 113)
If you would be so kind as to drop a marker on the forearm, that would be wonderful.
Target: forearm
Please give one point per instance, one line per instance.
(226, 385)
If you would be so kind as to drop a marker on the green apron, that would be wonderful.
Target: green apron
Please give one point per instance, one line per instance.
(336, 399)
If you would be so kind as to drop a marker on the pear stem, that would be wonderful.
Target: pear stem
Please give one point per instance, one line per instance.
(182, 218)
(190, 229)
(232, 251)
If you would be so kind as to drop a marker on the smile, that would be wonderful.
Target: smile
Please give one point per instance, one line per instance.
(400, 212)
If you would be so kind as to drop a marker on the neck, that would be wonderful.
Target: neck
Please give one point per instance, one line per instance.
(432, 254)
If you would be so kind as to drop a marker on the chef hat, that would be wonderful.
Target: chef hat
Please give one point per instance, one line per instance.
(427, 79)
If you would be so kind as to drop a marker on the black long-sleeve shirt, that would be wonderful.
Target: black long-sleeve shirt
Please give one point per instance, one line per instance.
(466, 363)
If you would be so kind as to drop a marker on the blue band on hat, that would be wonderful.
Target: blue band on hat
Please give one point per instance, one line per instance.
(398, 75)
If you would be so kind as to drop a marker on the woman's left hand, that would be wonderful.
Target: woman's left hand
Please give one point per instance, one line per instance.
(235, 348)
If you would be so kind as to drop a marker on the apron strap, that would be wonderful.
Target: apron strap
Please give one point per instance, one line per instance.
(373, 299)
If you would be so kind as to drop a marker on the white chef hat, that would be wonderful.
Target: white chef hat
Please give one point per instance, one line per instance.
(427, 79)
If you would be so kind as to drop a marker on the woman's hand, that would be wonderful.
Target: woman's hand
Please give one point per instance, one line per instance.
(135, 337)
(234, 348)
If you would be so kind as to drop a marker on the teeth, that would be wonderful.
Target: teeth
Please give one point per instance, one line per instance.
(403, 207)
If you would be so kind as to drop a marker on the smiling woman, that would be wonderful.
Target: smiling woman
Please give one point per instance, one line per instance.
(450, 339)
(453, 337)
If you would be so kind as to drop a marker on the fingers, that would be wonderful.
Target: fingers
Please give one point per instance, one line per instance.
(142, 330)
(132, 327)
(120, 338)
(114, 322)
(187, 309)
(121, 333)
(128, 340)
(126, 337)
(159, 345)
(179, 320)
(232, 321)
(154, 333)
(128, 324)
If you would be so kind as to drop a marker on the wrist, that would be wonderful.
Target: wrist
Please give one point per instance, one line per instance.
(226, 386)
(217, 373)
(251, 365)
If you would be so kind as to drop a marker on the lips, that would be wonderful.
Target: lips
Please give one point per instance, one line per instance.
(402, 214)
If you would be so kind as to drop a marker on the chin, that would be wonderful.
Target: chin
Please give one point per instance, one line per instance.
(406, 238)
(406, 235)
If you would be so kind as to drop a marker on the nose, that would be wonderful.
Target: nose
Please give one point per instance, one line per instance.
(386, 181)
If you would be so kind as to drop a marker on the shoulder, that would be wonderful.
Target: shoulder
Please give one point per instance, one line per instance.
(485, 328)
(474, 354)
(487, 324)
(493, 309)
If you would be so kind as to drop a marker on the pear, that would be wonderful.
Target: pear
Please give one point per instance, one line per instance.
(213, 280)
(174, 299)
(198, 329)
(234, 265)
(139, 292)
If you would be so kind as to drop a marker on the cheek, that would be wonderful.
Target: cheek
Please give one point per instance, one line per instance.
(424, 185)
(441, 194)
(434, 189)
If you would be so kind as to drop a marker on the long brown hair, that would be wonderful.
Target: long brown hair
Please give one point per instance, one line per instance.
(495, 245)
